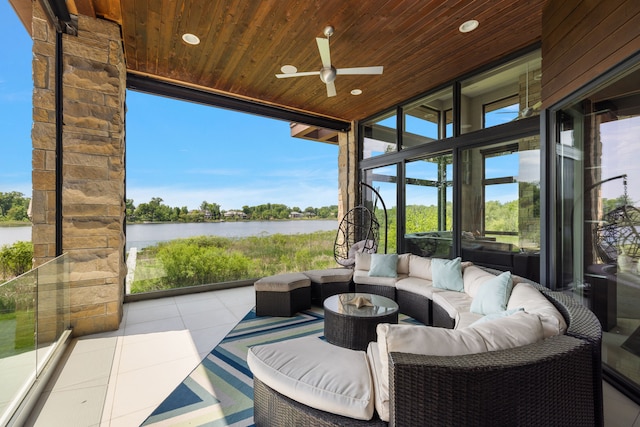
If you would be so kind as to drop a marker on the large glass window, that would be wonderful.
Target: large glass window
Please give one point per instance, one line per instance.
(501, 95)
(427, 119)
(383, 181)
(380, 136)
(429, 206)
(497, 174)
(500, 189)
(598, 214)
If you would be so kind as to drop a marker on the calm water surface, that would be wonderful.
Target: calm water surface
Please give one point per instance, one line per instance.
(142, 235)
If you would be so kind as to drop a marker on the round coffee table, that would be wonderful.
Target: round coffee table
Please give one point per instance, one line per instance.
(350, 326)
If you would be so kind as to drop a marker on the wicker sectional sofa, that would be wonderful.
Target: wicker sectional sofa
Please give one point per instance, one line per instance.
(551, 379)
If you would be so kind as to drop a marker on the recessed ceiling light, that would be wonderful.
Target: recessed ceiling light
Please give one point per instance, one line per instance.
(356, 92)
(191, 39)
(289, 69)
(469, 26)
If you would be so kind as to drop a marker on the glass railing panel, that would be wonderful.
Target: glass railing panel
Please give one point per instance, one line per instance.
(34, 314)
(17, 338)
(53, 306)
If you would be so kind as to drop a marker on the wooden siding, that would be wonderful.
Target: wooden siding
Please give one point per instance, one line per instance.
(583, 39)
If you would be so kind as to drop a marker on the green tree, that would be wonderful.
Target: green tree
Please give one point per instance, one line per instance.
(14, 206)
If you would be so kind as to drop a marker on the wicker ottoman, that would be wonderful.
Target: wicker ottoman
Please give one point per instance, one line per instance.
(325, 283)
(282, 294)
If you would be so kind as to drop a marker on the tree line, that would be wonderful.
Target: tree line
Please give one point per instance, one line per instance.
(156, 211)
(14, 206)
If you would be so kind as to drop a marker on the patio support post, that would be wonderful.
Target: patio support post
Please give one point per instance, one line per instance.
(89, 165)
(347, 171)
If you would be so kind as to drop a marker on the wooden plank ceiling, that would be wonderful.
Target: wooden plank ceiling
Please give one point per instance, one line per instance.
(244, 43)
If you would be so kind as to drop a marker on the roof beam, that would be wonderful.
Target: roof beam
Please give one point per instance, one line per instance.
(170, 90)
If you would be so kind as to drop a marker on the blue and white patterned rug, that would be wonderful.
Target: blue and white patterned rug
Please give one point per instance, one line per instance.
(219, 391)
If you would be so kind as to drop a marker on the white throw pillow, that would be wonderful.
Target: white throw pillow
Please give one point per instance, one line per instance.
(447, 274)
(493, 295)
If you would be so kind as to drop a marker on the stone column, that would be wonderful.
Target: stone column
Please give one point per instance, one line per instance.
(93, 169)
(347, 171)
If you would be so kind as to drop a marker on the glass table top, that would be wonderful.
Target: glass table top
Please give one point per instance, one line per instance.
(360, 304)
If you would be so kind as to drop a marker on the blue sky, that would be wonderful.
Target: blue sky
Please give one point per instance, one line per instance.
(182, 152)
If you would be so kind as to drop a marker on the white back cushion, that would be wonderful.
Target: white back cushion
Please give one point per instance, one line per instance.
(419, 339)
(525, 296)
(420, 267)
(512, 331)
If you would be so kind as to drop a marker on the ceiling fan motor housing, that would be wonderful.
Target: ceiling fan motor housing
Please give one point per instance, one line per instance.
(328, 74)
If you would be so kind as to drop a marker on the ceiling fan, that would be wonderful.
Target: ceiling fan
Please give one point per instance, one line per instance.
(328, 72)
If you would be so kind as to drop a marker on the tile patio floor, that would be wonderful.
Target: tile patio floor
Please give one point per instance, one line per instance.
(117, 379)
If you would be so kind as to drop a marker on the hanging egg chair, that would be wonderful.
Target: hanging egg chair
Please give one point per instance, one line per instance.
(357, 232)
(618, 234)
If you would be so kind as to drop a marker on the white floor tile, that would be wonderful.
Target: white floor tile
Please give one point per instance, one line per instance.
(208, 319)
(160, 325)
(199, 306)
(148, 387)
(162, 347)
(81, 407)
(132, 419)
(149, 314)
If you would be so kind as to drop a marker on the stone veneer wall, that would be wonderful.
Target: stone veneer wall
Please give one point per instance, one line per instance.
(347, 171)
(93, 172)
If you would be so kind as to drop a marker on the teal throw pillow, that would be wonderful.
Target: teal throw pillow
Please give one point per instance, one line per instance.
(493, 295)
(384, 265)
(498, 315)
(447, 274)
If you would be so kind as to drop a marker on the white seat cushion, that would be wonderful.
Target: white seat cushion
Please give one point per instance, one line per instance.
(362, 277)
(317, 374)
(416, 285)
(453, 303)
(329, 275)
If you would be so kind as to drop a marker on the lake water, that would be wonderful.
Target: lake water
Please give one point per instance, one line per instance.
(142, 235)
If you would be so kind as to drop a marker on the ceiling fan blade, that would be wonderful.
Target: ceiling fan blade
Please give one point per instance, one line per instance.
(325, 55)
(304, 73)
(331, 89)
(360, 70)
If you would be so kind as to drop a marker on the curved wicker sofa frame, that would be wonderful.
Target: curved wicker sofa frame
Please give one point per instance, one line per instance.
(554, 382)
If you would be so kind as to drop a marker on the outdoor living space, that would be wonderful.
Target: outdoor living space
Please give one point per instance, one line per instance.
(119, 378)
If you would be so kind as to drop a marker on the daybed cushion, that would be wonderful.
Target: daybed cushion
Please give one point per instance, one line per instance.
(317, 374)
(514, 331)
